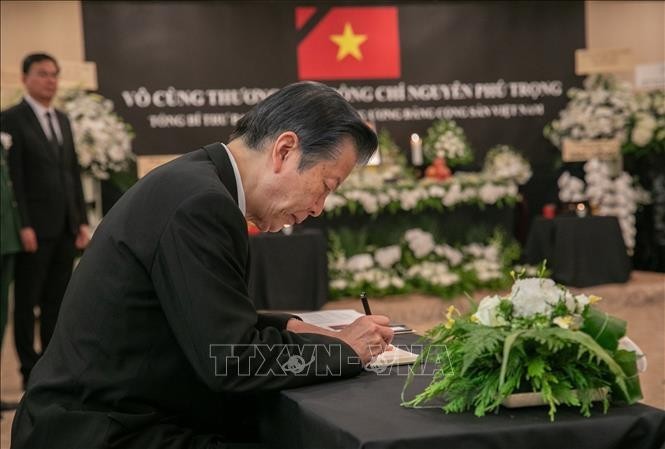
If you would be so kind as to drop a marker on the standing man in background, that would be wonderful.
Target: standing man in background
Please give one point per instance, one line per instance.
(47, 184)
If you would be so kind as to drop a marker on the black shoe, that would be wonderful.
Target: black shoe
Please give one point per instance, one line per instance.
(5, 406)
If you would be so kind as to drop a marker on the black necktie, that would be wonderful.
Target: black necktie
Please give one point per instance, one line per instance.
(54, 137)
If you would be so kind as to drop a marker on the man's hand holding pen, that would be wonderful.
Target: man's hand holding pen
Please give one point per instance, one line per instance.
(369, 336)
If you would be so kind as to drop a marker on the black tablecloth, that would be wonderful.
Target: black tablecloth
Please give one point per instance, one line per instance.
(289, 272)
(364, 412)
(579, 251)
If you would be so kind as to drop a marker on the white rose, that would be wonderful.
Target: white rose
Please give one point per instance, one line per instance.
(488, 312)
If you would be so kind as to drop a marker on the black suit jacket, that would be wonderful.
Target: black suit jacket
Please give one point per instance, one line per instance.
(164, 278)
(47, 186)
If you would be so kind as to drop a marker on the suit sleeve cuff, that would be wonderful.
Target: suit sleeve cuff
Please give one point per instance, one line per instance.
(274, 319)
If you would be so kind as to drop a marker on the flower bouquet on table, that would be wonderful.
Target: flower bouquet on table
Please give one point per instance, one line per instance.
(446, 140)
(540, 338)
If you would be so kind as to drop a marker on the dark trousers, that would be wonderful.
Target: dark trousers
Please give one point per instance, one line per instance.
(40, 280)
(6, 277)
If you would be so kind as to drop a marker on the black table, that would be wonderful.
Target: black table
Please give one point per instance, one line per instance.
(364, 412)
(289, 272)
(580, 251)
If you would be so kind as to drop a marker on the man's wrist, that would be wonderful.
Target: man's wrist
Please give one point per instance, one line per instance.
(294, 325)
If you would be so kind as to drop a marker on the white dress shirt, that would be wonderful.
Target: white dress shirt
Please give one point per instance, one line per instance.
(40, 111)
(241, 191)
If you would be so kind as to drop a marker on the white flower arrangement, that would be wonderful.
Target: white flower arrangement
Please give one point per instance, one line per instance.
(436, 273)
(464, 188)
(646, 130)
(452, 255)
(446, 139)
(504, 162)
(539, 339)
(601, 110)
(617, 196)
(103, 140)
(419, 263)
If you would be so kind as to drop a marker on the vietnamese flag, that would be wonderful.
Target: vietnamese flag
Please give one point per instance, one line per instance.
(349, 43)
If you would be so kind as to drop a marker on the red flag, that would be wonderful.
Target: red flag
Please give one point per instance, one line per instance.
(350, 43)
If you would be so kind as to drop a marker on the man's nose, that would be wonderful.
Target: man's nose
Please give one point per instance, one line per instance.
(317, 209)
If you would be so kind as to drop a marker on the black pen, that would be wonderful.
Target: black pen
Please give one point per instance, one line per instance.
(363, 299)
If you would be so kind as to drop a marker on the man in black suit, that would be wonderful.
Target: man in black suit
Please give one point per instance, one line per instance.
(47, 184)
(158, 344)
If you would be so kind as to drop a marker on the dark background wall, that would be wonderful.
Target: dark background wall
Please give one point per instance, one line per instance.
(245, 50)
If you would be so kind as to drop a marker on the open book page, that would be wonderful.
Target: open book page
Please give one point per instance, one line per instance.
(340, 318)
(331, 319)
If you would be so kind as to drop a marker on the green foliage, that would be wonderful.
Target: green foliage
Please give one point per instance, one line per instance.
(483, 365)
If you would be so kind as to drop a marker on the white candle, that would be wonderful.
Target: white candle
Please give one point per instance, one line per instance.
(416, 150)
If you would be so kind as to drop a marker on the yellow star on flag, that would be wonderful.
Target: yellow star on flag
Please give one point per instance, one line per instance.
(349, 43)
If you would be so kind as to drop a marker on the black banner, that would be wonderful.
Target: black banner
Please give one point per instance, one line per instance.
(182, 73)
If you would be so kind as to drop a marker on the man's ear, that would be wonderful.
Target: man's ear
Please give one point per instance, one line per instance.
(285, 147)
